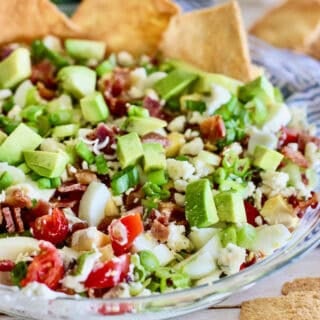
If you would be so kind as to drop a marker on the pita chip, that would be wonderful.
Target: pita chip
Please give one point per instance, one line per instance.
(27, 20)
(303, 284)
(212, 39)
(131, 25)
(291, 25)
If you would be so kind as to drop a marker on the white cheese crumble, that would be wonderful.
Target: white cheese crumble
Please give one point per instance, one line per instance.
(125, 59)
(180, 185)
(196, 117)
(231, 258)
(5, 93)
(179, 169)
(193, 147)
(258, 137)
(234, 148)
(202, 169)
(312, 154)
(177, 124)
(177, 240)
(219, 96)
(179, 199)
(277, 119)
(275, 183)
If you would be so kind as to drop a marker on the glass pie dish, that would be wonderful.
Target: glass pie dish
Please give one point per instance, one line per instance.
(297, 76)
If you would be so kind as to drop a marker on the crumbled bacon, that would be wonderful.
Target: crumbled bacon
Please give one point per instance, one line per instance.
(85, 177)
(64, 203)
(45, 93)
(134, 198)
(16, 198)
(173, 212)
(8, 220)
(301, 206)
(295, 156)
(213, 128)
(115, 91)
(41, 208)
(159, 231)
(154, 137)
(72, 187)
(287, 135)
(153, 106)
(79, 226)
(305, 138)
(44, 71)
(18, 220)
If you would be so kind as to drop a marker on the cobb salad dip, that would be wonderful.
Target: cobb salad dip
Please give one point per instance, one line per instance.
(125, 176)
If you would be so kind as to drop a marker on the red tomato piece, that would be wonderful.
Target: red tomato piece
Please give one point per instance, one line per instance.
(115, 309)
(6, 265)
(52, 227)
(288, 135)
(251, 212)
(46, 267)
(109, 274)
(124, 231)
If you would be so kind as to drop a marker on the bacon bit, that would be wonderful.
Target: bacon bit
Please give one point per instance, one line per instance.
(6, 265)
(72, 188)
(85, 177)
(155, 138)
(173, 212)
(64, 203)
(287, 135)
(133, 198)
(115, 91)
(44, 92)
(213, 128)
(17, 219)
(153, 106)
(16, 198)
(44, 72)
(305, 138)
(159, 231)
(42, 208)
(105, 223)
(301, 206)
(79, 226)
(9, 220)
(295, 156)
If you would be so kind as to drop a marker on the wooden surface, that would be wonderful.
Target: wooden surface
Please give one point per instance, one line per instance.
(307, 266)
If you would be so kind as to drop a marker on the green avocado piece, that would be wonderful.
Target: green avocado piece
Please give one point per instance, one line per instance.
(3, 136)
(85, 49)
(259, 88)
(93, 107)
(143, 126)
(174, 83)
(201, 211)
(230, 207)
(22, 138)
(46, 164)
(77, 80)
(206, 79)
(129, 149)
(266, 159)
(154, 157)
(15, 68)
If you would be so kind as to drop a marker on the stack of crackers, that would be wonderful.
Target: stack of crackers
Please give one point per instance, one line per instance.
(294, 24)
(300, 301)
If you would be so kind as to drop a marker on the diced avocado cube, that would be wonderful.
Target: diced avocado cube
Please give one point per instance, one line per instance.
(206, 80)
(85, 49)
(157, 177)
(15, 68)
(129, 149)
(230, 207)
(174, 83)
(67, 130)
(266, 159)
(143, 126)
(46, 164)
(153, 157)
(77, 80)
(93, 107)
(200, 208)
(22, 138)
(259, 88)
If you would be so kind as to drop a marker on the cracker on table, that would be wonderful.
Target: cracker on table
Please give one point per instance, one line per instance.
(293, 24)
(303, 284)
(295, 306)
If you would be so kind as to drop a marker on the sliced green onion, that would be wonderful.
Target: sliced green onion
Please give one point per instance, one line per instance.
(44, 183)
(182, 158)
(55, 182)
(219, 176)
(157, 177)
(8, 104)
(101, 164)
(196, 105)
(135, 111)
(229, 160)
(241, 167)
(6, 180)
(32, 112)
(124, 180)
(43, 125)
(18, 273)
(231, 185)
(106, 66)
(84, 152)
(155, 191)
(139, 271)
(148, 260)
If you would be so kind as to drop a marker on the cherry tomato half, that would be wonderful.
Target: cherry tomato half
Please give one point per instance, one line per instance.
(52, 227)
(46, 267)
(109, 274)
(124, 231)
